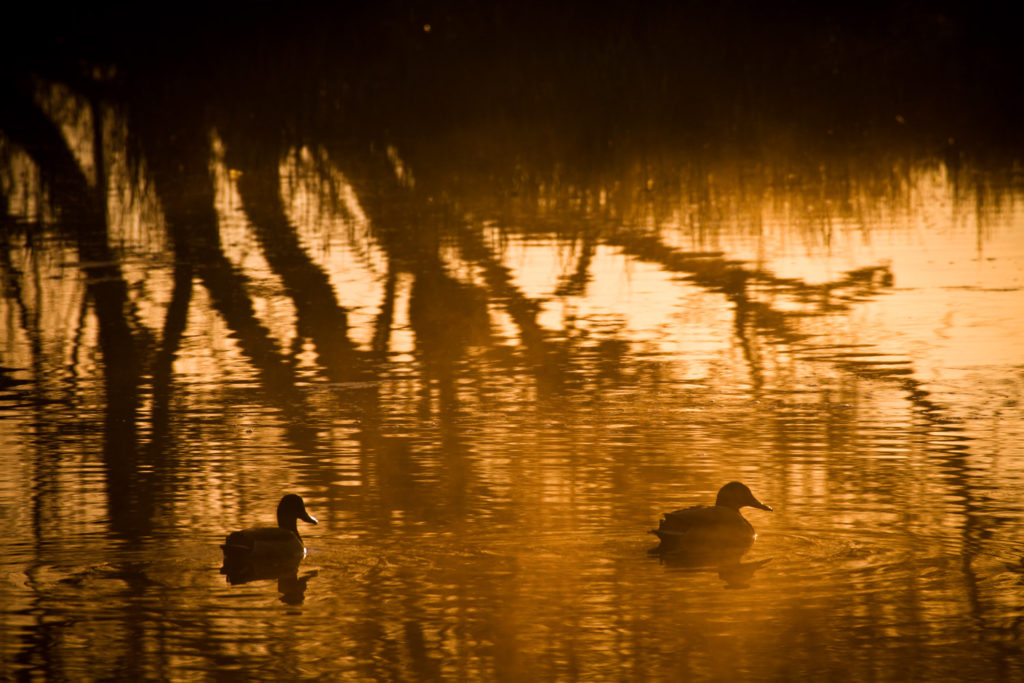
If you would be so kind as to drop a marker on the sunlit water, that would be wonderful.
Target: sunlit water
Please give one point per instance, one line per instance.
(488, 427)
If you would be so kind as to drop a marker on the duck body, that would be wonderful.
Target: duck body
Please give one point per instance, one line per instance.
(267, 552)
(705, 524)
(264, 542)
(710, 527)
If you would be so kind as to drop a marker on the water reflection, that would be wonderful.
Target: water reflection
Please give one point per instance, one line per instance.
(265, 553)
(729, 567)
(492, 362)
(290, 585)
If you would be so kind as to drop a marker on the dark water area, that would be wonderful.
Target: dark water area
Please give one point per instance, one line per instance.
(493, 289)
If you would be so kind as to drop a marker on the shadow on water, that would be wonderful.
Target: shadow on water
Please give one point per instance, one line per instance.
(456, 127)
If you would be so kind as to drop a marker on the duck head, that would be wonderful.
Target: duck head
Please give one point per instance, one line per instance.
(292, 508)
(736, 495)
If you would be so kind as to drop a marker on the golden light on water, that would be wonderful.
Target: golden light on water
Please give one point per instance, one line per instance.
(488, 389)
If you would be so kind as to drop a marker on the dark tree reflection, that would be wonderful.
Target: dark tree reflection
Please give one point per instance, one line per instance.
(448, 131)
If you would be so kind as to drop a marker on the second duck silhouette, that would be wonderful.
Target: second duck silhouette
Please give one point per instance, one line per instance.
(268, 552)
(703, 528)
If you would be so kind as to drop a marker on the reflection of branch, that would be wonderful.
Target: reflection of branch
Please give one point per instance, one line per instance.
(163, 362)
(326, 322)
(317, 310)
(520, 308)
(384, 200)
(231, 300)
(29, 128)
(447, 315)
(320, 316)
(712, 271)
(715, 273)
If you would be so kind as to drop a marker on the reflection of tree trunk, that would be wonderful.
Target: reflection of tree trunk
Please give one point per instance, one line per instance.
(414, 249)
(163, 364)
(11, 287)
(541, 354)
(446, 315)
(46, 471)
(179, 162)
(121, 374)
(319, 315)
(28, 127)
(751, 350)
(423, 662)
(386, 317)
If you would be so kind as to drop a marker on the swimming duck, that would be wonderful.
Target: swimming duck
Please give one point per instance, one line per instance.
(705, 527)
(268, 545)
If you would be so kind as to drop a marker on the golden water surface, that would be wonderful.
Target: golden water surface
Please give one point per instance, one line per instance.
(488, 373)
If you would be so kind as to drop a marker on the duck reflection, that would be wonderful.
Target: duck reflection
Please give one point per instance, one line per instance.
(271, 553)
(735, 573)
(293, 588)
(715, 536)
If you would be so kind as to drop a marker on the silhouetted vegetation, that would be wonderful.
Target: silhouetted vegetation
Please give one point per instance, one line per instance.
(646, 129)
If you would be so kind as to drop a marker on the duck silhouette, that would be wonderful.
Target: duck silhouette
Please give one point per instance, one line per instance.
(710, 529)
(268, 552)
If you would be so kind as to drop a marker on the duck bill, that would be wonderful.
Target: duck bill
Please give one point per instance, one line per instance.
(761, 506)
(306, 517)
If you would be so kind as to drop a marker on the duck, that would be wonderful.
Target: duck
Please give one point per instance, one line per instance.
(249, 551)
(711, 527)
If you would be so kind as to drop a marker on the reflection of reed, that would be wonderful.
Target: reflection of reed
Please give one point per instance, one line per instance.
(575, 283)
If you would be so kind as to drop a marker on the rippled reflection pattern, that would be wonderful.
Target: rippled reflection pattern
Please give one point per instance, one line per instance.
(489, 363)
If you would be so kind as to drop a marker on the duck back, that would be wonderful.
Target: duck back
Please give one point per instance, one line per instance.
(264, 543)
(704, 526)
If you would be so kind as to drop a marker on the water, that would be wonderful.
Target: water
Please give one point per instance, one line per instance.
(489, 366)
